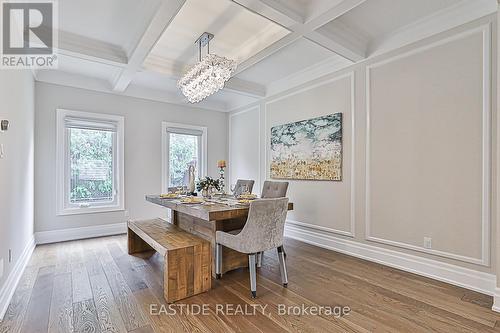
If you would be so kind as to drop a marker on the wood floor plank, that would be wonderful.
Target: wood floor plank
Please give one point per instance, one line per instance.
(37, 315)
(128, 270)
(81, 284)
(382, 299)
(85, 317)
(132, 316)
(92, 264)
(144, 329)
(15, 314)
(61, 306)
(108, 314)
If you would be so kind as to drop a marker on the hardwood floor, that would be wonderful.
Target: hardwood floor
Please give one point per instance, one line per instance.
(94, 286)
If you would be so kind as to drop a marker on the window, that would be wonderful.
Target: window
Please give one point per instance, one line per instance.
(90, 162)
(183, 145)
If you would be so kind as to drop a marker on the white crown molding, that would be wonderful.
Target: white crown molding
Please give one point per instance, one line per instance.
(457, 275)
(485, 30)
(78, 81)
(10, 285)
(63, 235)
(443, 20)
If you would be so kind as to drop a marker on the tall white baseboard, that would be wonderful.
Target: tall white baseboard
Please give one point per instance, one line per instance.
(456, 275)
(62, 235)
(10, 285)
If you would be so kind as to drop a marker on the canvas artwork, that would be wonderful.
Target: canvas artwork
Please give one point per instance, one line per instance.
(309, 149)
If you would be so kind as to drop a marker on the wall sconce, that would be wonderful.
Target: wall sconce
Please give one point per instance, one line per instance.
(4, 125)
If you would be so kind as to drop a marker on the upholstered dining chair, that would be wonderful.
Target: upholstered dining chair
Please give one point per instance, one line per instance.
(240, 186)
(263, 231)
(274, 189)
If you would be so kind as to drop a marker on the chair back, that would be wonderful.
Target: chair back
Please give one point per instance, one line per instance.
(265, 225)
(274, 189)
(240, 186)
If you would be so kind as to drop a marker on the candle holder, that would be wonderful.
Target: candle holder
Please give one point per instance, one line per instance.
(221, 180)
(222, 166)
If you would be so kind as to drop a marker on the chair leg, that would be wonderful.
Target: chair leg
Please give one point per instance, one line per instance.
(284, 274)
(260, 255)
(253, 274)
(218, 261)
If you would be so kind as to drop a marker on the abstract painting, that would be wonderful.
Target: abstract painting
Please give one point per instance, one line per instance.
(308, 150)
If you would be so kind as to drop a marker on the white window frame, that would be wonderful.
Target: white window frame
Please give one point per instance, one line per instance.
(165, 150)
(63, 206)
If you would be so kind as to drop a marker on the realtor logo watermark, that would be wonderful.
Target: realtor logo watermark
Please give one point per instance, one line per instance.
(29, 34)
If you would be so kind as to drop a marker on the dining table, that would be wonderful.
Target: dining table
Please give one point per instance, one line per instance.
(204, 219)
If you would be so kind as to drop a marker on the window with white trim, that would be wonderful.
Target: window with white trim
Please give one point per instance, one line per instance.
(184, 145)
(90, 162)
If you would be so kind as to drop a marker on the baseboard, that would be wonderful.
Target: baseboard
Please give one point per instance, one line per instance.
(62, 235)
(8, 289)
(453, 274)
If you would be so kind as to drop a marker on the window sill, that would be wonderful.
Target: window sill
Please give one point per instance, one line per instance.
(89, 210)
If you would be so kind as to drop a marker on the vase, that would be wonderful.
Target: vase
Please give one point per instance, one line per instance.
(205, 193)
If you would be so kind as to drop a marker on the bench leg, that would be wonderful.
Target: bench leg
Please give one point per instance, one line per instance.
(135, 244)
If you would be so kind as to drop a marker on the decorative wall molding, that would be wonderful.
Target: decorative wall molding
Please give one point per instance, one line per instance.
(486, 148)
(231, 116)
(351, 77)
(63, 235)
(434, 269)
(10, 285)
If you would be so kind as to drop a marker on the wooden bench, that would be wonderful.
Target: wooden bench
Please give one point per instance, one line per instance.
(188, 259)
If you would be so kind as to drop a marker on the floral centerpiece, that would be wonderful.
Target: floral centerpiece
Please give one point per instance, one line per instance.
(207, 185)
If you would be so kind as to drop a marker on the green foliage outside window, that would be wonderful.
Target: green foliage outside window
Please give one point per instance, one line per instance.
(183, 152)
(91, 156)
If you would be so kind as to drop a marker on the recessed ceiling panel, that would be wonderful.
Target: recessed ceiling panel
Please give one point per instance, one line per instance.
(117, 22)
(289, 60)
(377, 18)
(239, 33)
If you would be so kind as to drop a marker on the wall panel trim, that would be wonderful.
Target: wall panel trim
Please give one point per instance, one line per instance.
(351, 77)
(485, 30)
(460, 276)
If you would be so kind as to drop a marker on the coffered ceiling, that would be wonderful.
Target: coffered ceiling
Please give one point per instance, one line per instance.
(141, 47)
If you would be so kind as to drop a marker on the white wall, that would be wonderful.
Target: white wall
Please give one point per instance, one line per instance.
(244, 127)
(143, 120)
(16, 168)
(417, 161)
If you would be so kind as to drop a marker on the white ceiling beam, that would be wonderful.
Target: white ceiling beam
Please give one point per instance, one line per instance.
(164, 15)
(278, 13)
(344, 47)
(81, 47)
(235, 85)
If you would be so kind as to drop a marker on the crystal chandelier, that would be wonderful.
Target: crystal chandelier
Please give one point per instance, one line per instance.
(208, 75)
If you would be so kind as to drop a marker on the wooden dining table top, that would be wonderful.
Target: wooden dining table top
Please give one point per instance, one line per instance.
(218, 208)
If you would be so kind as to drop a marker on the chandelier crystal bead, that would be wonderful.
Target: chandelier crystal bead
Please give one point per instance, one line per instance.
(206, 77)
